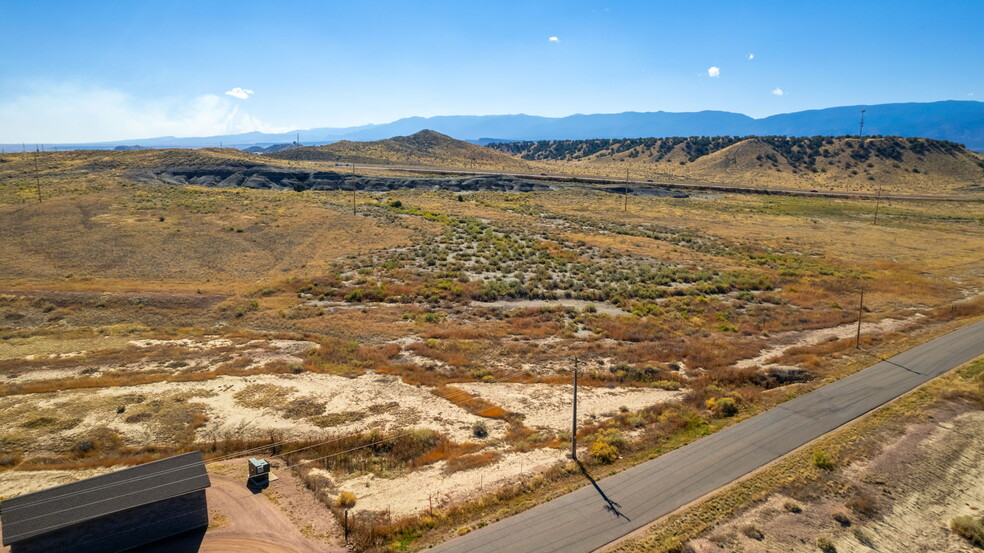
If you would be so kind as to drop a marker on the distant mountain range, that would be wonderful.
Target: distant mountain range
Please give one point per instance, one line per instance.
(957, 121)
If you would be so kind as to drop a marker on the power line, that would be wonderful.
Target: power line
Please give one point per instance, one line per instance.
(108, 486)
(37, 175)
(574, 418)
(75, 507)
(456, 394)
(877, 204)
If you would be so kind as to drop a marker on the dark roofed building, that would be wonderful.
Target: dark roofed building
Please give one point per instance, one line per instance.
(112, 512)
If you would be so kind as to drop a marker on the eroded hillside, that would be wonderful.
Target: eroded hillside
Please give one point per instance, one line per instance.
(423, 148)
(913, 165)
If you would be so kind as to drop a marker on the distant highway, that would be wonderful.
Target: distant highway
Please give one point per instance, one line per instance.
(593, 516)
(712, 187)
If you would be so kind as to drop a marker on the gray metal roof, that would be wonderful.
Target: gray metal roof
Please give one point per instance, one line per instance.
(41, 512)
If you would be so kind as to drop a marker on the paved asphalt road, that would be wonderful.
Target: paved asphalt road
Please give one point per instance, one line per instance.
(593, 516)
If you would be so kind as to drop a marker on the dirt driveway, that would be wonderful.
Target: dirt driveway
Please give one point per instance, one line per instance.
(242, 521)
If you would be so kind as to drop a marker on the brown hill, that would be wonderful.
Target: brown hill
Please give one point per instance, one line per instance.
(426, 148)
(904, 165)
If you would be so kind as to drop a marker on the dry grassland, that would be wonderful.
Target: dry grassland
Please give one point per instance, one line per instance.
(432, 334)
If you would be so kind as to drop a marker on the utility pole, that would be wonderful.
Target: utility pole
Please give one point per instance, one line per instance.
(574, 422)
(877, 201)
(37, 175)
(857, 342)
(625, 197)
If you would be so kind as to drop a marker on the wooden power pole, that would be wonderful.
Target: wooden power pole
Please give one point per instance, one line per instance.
(877, 204)
(625, 197)
(574, 420)
(37, 175)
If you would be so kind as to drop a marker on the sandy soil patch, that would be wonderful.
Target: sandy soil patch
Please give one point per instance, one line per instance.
(920, 482)
(297, 406)
(600, 307)
(14, 482)
(46, 374)
(259, 353)
(214, 342)
(413, 493)
(549, 406)
(381, 402)
(36, 346)
(787, 340)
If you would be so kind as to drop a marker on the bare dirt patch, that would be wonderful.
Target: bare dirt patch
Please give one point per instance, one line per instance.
(910, 492)
(788, 340)
(14, 483)
(549, 406)
(415, 492)
(600, 307)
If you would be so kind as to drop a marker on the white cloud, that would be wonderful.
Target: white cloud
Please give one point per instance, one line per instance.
(241, 93)
(751, 56)
(70, 112)
(553, 39)
(713, 71)
(778, 91)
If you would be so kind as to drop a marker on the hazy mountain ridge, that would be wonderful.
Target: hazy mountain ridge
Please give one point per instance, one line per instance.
(958, 121)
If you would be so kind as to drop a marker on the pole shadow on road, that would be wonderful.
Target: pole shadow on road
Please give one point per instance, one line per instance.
(610, 505)
(890, 362)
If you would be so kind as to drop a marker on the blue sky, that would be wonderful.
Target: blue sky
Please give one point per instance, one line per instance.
(85, 71)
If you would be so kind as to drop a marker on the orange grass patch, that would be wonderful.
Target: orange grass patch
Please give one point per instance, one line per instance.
(473, 404)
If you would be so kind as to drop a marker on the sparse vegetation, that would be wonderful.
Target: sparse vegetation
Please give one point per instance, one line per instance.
(822, 460)
(345, 500)
(753, 532)
(970, 529)
(603, 452)
(480, 429)
(825, 545)
(863, 504)
(277, 293)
